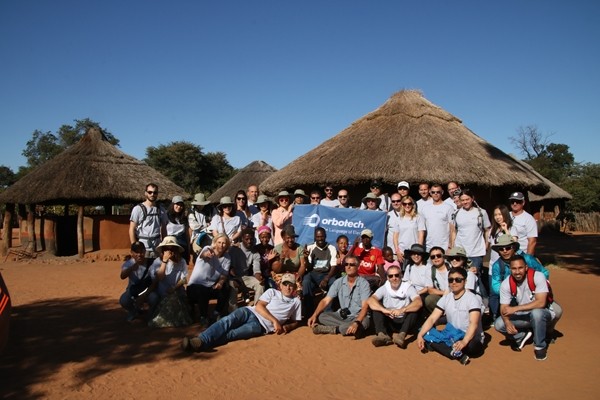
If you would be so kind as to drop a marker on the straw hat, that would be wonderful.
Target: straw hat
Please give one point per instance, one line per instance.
(169, 241)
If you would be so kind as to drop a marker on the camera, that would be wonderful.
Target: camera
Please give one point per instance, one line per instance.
(344, 312)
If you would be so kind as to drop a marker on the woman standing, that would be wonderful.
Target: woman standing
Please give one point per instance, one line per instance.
(226, 221)
(463, 335)
(282, 215)
(263, 217)
(170, 270)
(242, 209)
(177, 225)
(408, 229)
(209, 278)
(501, 225)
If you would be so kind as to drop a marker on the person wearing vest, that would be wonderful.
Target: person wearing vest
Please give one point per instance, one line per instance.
(322, 268)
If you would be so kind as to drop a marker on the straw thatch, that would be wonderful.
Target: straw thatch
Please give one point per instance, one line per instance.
(407, 138)
(554, 193)
(252, 174)
(90, 172)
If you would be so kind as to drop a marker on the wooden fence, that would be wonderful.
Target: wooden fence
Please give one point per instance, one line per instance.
(585, 222)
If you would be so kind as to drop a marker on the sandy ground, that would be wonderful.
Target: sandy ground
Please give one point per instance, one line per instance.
(69, 340)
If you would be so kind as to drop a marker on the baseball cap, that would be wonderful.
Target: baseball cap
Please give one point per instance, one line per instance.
(367, 232)
(403, 184)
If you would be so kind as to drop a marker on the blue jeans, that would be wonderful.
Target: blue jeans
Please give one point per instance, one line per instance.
(240, 324)
(538, 321)
(310, 283)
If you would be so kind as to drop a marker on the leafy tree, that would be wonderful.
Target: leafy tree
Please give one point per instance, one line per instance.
(7, 177)
(186, 165)
(584, 186)
(44, 146)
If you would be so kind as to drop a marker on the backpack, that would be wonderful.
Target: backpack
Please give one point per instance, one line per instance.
(145, 213)
(479, 219)
(531, 283)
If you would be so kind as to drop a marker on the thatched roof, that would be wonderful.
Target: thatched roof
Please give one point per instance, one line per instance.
(407, 138)
(252, 174)
(555, 192)
(90, 172)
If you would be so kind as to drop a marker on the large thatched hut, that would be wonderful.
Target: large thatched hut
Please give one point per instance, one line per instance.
(407, 138)
(92, 172)
(252, 174)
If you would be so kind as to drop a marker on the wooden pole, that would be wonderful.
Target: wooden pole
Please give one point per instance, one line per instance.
(80, 238)
(7, 229)
(30, 229)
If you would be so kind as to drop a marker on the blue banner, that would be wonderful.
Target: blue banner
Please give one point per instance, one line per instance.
(336, 222)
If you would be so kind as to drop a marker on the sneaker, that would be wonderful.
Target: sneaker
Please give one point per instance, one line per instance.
(324, 330)
(541, 354)
(464, 360)
(400, 339)
(518, 346)
(191, 344)
(382, 339)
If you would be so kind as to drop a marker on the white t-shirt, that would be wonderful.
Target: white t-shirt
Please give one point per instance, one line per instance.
(441, 278)
(524, 294)
(174, 272)
(207, 273)
(393, 219)
(281, 307)
(408, 229)
(470, 225)
(391, 298)
(148, 229)
(232, 225)
(525, 227)
(419, 276)
(421, 204)
(330, 203)
(459, 310)
(437, 222)
(451, 203)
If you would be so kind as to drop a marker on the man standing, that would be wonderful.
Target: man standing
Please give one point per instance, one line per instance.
(438, 219)
(343, 199)
(425, 199)
(315, 197)
(523, 222)
(252, 194)
(393, 219)
(453, 190)
(276, 311)
(148, 223)
(352, 318)
(384, 204)
(329, 200)
(322, 260)
(525, 308)
(394, 310)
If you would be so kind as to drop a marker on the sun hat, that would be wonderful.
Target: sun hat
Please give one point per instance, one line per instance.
(225, 201)
(200, 200)
(456, 252)
(403, 184)
(283, 193)
(505, 240)
(169, 241)
(177, 199)
(367, 232)
(371, 196)
(416, 249)
(300, 192)
(262, 199)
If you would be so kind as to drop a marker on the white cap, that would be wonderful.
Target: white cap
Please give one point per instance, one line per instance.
(403, 184)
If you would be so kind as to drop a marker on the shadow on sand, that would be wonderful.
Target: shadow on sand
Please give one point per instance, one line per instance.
(577, 253)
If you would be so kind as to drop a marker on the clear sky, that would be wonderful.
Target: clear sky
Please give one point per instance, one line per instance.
(270, 80)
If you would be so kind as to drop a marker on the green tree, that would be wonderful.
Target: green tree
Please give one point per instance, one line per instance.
(584, 186)
(186, 165)
(7, 177)
(44, 146)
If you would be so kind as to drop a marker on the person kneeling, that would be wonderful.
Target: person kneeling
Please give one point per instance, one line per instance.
(270, 314)
(399, 310)
(463, 335)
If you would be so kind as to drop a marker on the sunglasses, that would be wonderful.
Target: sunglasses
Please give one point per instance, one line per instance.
(315, 198)
(351, 265)
(375, 187)
(390, 276)
(152, 191)
(457, 280)
(342, 197)
(436, 192)
(240, 198)
(286, 283)
(434, 256)
(284, 199)
(505, 248)
(396, 201)
(516, 201)
(454, 258)
(407, 204)
(329, 190)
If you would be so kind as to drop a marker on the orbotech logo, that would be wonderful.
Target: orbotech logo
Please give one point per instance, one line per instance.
(314, 220)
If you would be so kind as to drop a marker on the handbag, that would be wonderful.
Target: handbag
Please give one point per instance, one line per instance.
(140, 287)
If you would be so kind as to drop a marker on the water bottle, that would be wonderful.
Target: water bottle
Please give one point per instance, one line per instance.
(455, 353)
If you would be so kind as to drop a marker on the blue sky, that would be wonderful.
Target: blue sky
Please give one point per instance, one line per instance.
(270, 80)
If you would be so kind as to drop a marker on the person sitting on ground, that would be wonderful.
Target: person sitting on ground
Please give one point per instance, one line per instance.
(290, 257)
(244, 274)
(275, 312)
(140, 288)
(395, 310)
(417, 272)
(321, 269)
(170, 270)
(209, 279)
(342, 249)
(371, 260)
(352, 291)
(439, 278)
(526, 308)
(267, 254)
(462, 336)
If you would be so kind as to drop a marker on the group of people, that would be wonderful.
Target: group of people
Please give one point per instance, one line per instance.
(429, 272)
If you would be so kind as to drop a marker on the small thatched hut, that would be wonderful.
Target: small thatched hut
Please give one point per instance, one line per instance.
(252, 174)
(407, 138)
(91, 172)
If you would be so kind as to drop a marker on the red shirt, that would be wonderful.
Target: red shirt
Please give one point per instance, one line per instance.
(369, 259)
